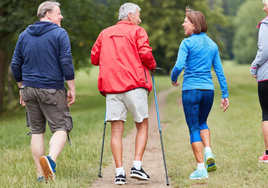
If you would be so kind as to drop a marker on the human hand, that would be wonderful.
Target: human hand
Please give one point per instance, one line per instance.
(152, 71)
(70, 97)
(21, 101)
(254, 76)
(225, 104)
(176, 84)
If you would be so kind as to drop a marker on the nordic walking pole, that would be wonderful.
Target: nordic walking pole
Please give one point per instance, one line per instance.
(102, 145)
(159, 126)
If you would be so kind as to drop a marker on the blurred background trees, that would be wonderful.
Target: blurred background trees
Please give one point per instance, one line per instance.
(231, 24)
(246, 33)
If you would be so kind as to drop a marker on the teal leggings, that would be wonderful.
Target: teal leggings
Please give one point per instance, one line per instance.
(197, 105)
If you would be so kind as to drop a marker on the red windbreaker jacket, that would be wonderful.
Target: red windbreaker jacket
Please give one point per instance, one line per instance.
(124, 56)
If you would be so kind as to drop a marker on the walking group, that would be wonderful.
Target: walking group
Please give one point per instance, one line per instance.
(42, 62)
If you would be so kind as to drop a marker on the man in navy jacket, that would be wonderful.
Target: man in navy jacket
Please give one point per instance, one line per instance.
(41, 63)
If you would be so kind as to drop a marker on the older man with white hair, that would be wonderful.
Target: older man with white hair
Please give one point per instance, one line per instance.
(124, 57)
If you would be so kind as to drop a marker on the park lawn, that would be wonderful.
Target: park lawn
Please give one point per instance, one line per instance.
(236, 136)
(78, 164)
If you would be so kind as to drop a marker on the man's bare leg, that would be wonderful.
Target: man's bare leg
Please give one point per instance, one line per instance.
(38, 150)
(117, 129)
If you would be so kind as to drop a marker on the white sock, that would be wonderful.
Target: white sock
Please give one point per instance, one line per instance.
(137, 164)
(207, 149)
(119, 171)
(200, 166)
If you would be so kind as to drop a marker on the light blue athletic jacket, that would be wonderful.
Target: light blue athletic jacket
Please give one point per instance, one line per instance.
(196, 55)
(259, 66)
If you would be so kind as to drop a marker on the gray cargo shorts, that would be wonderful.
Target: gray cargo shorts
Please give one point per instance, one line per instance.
(47, 105)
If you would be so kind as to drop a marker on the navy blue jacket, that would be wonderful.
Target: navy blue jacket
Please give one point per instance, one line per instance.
(42, 57)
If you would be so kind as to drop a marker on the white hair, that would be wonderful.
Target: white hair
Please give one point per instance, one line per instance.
(127, 8)
(265, 1)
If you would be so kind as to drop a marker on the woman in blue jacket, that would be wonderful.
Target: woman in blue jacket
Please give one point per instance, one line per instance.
(196, 55)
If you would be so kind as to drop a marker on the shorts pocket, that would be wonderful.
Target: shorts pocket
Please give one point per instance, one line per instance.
(48, 96)
(68, 121)
(24, 94)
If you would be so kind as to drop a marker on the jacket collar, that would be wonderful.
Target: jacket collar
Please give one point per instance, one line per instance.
(124, 22)
(258, 26)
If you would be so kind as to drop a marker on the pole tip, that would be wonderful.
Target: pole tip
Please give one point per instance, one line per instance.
(100, 176)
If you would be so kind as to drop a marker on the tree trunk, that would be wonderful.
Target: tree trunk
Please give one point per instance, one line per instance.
(2, 78)
(10, 85)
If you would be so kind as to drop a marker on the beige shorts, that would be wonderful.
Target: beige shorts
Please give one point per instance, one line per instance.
(135, 101)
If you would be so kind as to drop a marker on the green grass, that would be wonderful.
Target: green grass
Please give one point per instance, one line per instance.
(236, 136)
(78, 164)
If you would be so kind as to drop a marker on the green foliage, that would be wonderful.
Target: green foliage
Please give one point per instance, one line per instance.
(83, 20)
(231, 6)
(163, 23)
(217, 22)
(14, 17)
(246, 34)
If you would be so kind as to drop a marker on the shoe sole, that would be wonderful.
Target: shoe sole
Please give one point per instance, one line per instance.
(263, 161)
(135, 176)
(199, 178)
(48, 172)
(120, 183)
(211, 163)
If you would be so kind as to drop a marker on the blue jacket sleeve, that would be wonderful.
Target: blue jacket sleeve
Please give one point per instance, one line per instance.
(65, 57)
(220, 74)
(17, 62)
(180, 63)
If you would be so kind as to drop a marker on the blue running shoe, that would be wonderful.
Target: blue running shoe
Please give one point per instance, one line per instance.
(198, 175)
(210, 162)
(48, 167)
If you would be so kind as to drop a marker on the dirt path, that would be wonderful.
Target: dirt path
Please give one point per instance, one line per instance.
(153, 159)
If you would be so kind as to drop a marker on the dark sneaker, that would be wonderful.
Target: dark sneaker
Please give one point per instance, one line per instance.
(120, 180)
(48, 167)
(139, 174)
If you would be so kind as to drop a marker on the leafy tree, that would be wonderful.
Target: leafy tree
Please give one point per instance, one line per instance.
(231, 6)
(246, 35)
(83, 20)
(163, 20)
(14, 16)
